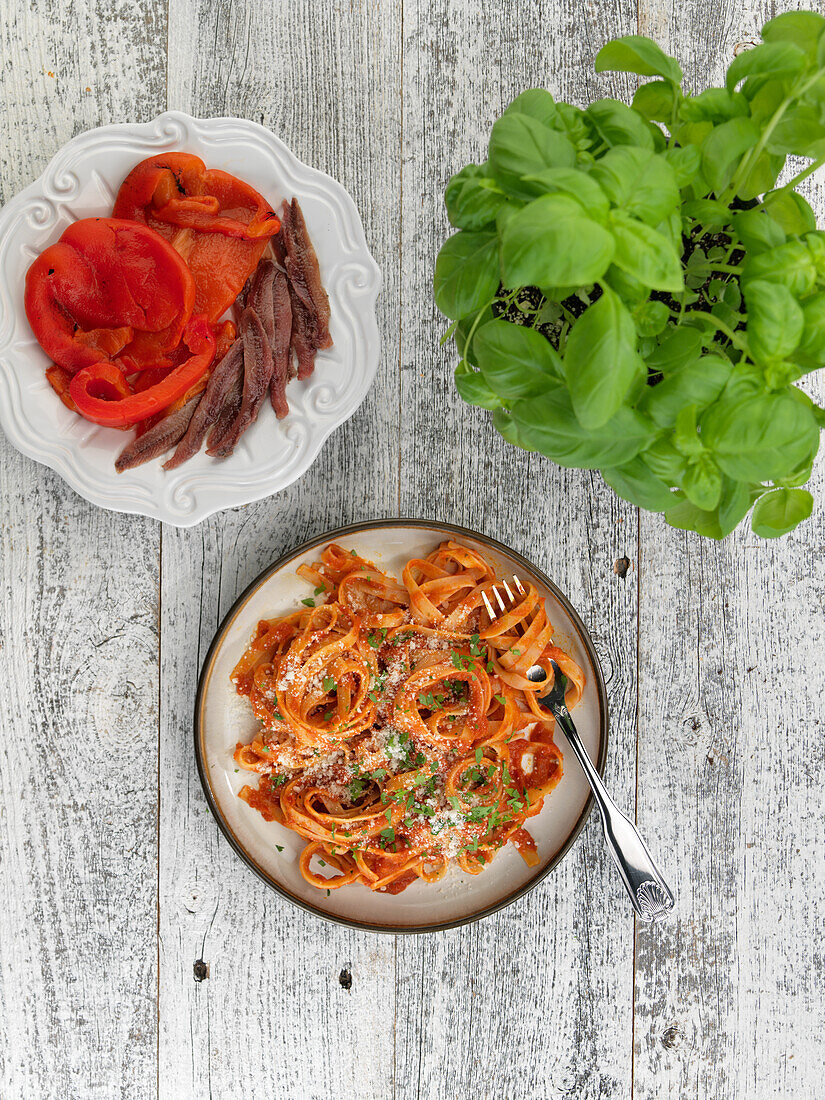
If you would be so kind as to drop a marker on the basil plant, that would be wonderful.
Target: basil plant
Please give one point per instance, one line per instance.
(632, 292)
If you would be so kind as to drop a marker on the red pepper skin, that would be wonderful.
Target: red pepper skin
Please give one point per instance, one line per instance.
(108, 287)
(129, 408)
(226, 333)
(60, 380)
(218, 223)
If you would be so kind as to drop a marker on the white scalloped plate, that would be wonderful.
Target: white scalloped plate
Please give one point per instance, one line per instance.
(81, 181)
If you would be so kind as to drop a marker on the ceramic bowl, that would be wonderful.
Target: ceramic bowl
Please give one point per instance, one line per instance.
(222, 719)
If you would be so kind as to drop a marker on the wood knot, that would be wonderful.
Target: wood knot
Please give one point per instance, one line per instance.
(670, 1037)
(621, 566)
(345, 978)
(200, 971)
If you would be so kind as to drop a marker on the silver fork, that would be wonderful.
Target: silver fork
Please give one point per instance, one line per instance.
(649, 893)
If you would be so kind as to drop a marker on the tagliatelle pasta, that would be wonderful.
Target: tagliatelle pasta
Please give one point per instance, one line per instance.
(399, 732)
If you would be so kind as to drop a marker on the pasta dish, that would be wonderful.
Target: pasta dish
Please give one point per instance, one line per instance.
(398, 731)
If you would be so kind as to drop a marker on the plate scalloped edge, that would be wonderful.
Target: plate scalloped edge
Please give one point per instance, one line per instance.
(31, 220)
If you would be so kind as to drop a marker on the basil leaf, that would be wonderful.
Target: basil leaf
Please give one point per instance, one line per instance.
(761, 437)
(465, 327)
(578, 185)
(812, 345)
(641, 182)
(790, 211)
(746, 380)
(761, 176)
(797, 477)
(775, 320)
(757, 230)
(702, 482)
(766, 95)
(710, 212)
(645, 254)
(686, 434)
(656, 100)
(521, 146)
(815, 244)
(636, 483)
(538, 104)
(677, 347)
(635, 53)
(735, 502)
(651, 318)
(776, 58)
(473, 388)
(630, 290)
(687, 517)
(466, 272)
(618, 124)
(778, 512)
(506, 427)
(790, 264)
(549, 425)
(516, 361)
(803, 28)
(575, 125)
(473, 199)
(662, 458)
(552, 242)
(600, 360)
(699, 383)
(724, 147)
(799, 132)
(685, 162)
(714, 105)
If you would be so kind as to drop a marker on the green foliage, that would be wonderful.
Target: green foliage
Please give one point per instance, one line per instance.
(631, 292)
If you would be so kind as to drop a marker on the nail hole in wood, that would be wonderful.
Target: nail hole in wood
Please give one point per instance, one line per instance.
(200, 971)
(621, 566)
(345, 978)
(670, 1037)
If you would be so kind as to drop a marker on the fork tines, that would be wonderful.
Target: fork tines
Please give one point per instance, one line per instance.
(499, 598)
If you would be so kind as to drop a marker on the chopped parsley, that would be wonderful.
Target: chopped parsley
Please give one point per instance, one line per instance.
(308, 602)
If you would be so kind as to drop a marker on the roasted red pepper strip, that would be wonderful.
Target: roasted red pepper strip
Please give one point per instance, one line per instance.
(60, 380)
(108, 287)
(87, 385)
(225, 334)
(218, 223)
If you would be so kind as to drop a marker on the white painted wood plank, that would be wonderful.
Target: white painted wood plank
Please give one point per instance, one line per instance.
(273, 1013)
(78, 659)
(732, 678)
(536, 1001)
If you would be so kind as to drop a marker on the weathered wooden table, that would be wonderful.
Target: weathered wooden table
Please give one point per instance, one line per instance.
(138, 956)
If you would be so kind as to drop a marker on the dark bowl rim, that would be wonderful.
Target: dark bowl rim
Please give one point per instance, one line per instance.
(205, 674)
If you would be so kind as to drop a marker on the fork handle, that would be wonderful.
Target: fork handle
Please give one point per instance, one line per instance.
(649, 893)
